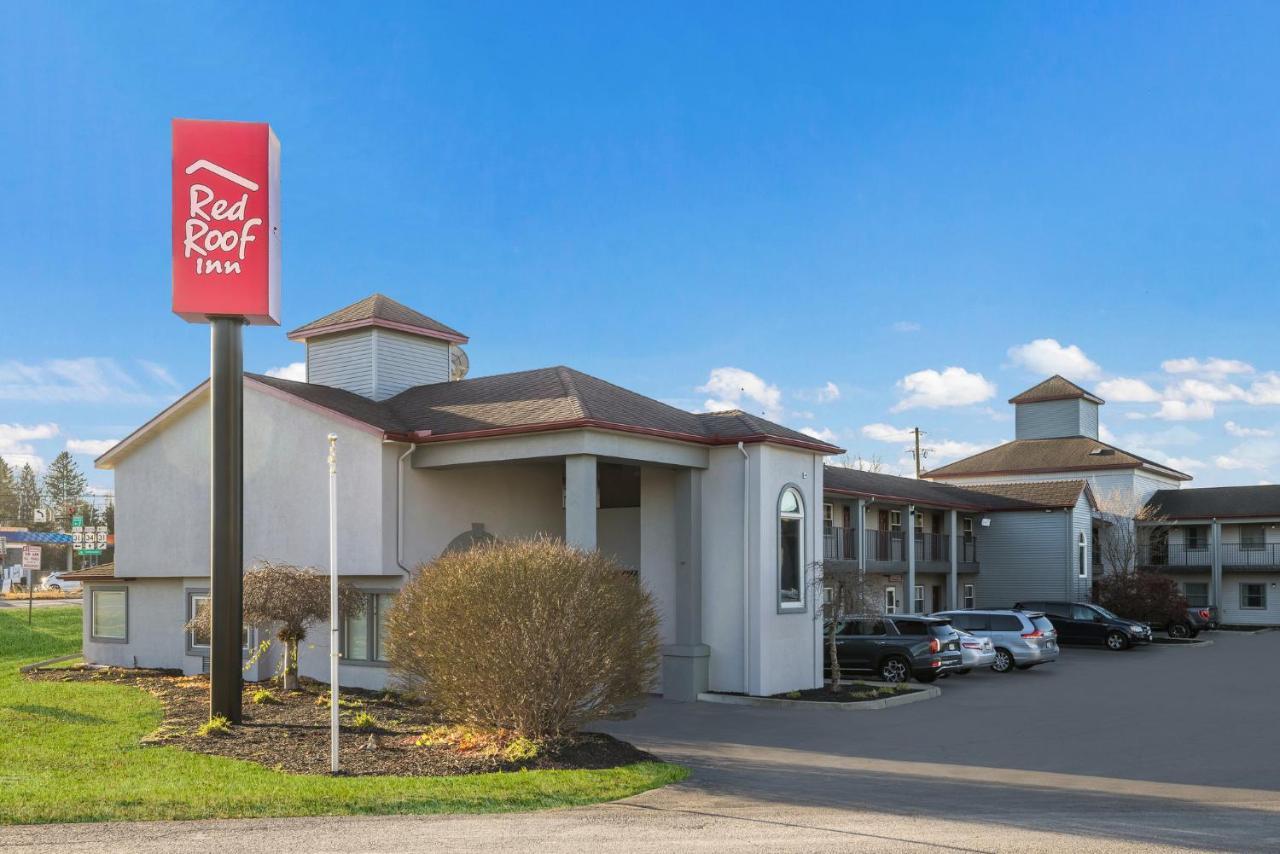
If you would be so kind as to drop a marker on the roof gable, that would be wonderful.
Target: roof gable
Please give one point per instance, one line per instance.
(1057, 387)
(377, 310)
(1062, 454)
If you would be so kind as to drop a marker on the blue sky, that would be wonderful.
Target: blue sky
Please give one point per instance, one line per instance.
(855, 220)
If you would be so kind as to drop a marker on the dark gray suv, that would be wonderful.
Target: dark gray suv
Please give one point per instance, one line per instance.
(896, 647)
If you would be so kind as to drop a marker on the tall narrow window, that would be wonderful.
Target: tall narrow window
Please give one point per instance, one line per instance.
(1195, 537)
(364, 635)
(919, 599)
(968, 595)
(1082, 565)
(891, 600)
(790, 549)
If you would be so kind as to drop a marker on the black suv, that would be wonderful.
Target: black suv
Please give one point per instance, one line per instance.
(896, 647)
(1083, 623)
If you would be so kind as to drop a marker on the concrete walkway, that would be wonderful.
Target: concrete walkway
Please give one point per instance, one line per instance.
(1149, 750)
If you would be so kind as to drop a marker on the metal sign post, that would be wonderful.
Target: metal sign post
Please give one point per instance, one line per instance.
(226, 540)
(333, 603)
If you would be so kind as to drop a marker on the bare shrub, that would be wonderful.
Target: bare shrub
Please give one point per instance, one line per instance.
(1146, 596)
(290, 600)
(531, 636)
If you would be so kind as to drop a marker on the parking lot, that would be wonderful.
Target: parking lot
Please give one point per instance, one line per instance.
(1152, 749)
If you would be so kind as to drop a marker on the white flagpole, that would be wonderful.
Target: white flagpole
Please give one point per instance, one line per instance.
(333, 603)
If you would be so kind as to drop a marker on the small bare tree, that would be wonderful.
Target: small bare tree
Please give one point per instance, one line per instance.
(858, 462)
(844, 594)
(291, 600)
(1128, 524)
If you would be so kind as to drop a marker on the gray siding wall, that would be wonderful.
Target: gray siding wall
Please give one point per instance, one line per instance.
(1234, 615)
(1023, 555)
(403, 361)
(343, 361)
(1081, 587)
(1054, 418)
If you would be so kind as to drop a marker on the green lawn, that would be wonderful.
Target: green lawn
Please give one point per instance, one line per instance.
(70, 752)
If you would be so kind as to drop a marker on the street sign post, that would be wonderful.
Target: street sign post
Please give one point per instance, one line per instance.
(225, 236)
(30, 565)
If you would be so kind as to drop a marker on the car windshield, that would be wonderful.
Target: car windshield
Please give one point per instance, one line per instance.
(1104, 612)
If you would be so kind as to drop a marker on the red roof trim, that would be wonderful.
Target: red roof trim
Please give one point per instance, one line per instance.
(992, 473)
(597, 424)
(303, 333)
(915, 501)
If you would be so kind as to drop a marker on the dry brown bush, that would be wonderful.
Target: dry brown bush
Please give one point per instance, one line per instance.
(529, 635)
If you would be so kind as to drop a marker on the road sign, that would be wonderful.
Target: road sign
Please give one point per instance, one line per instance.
(77, 521)
(89, 552)
(30, 558)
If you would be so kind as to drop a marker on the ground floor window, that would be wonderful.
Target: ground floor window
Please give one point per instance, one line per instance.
(109, 614)
(1253, 596)
(891, 600)
(969, 597)
(1196, 593)
(919, 599)
(364, 635)
(790, 550)
(199, 601)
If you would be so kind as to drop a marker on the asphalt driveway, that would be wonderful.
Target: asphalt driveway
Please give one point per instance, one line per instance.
(1148, 750)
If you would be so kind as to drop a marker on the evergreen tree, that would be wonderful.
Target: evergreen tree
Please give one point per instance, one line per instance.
(63, 486)
(28, 495)
(8, 495)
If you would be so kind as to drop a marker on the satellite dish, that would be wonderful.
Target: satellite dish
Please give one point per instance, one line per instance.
(459, 364)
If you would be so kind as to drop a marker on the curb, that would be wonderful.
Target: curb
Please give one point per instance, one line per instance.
(924, 692)
(1190, 643)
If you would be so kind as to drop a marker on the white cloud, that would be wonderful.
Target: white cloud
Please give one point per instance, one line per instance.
(1215, 392)
(15, 443)
(823, 435)
(1126, 390)
(1229, 463)
(735, 388)
(951, 387)
(887, 433)
(1183, 463)
(1047, 356)
(1253, 455)
(160, 372)
(1181, 410)
(296, 371)
(92, 447)
(1192, 365)
(1265, 391)
(1105, 434)
(949, 449)
(88, 379)
(1177, 436)
(1246, 432)
(906, 326)
(825, 394)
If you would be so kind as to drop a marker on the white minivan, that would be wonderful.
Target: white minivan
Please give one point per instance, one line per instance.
(55, 581)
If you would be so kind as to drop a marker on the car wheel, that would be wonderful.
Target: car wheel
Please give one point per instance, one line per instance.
(1004, 661)
(55, 588)
(894, 669)
(927, 677)
(1117, 640)
(1179, 630)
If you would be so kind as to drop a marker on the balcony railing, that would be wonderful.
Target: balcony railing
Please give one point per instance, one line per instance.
(1234, 555)
(890, 547)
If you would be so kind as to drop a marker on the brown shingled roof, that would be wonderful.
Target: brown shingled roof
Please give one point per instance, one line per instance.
(1217, 502)
(1068, 453)
(542, 399)
(377, 310)
(102, 570)
(1044, 493)
(1055, 388)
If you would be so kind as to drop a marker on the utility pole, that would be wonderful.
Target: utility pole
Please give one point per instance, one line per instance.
(919, 453)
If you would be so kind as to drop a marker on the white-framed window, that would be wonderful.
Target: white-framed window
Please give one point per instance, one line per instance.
(918, 520)
(966, 527)
(109, 614)
(198, 641)
(1196, 593)
(895, 520)
(790, 550)
(1195, 537)
(891, 600)
(918, 599)
(1082, 556)
(969, 596)
(828, 516)
(1253, 596)
(364, 635)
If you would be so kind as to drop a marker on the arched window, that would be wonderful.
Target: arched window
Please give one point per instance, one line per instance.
(791, 549)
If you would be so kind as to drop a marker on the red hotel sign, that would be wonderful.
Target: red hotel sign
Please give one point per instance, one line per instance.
(226, 221)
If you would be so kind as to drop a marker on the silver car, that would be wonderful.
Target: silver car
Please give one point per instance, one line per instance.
(1022, 639)
(976, 652)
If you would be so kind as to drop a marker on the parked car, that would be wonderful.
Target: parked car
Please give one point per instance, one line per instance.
(896, 647)
(1082, 623)
(1198, 619)
(55, 581)
(975, 652)
(1022, 639)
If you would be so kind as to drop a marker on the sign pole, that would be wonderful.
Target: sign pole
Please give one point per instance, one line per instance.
(226, 518)
(333, 603)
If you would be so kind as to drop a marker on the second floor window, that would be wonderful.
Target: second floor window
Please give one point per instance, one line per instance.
(1253, 538)
(1195, 537)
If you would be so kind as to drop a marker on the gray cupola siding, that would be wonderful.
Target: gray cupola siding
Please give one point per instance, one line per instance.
(1053, 419)
(376, 363)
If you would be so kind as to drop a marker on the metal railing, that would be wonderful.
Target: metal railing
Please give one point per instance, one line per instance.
(890, 547)
(1201, 556)
(840, 544)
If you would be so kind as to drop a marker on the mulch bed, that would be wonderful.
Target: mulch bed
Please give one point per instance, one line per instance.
(853, 692)
(294, 735)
